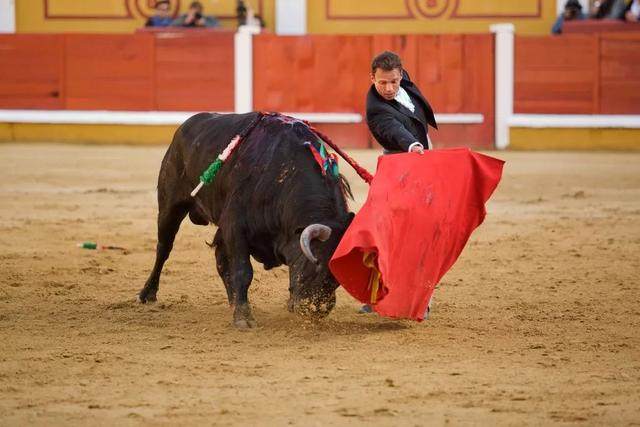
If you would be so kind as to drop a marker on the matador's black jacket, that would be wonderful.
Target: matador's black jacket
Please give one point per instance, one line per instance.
(395, 126)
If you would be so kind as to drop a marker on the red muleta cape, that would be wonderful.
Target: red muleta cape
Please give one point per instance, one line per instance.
(419, 214)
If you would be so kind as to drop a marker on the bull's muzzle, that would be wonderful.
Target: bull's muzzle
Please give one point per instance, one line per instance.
(312, 307)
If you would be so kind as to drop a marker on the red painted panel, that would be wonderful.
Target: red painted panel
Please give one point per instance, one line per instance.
(620, 74)
(440, 71)
(621, 97)
(194, 72)
(311, 73)
(556, 74)
(479, 87)
(31, 71)
(580, 74)
(110, 72)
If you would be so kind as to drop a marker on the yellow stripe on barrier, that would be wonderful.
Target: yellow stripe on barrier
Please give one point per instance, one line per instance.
(615, 139)
(87, 134)
(6, 132)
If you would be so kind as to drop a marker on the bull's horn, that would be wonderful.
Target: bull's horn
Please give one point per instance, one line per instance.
(313, 231)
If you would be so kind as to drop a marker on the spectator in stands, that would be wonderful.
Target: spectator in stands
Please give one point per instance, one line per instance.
(608, 9)
(632, 12)
(162, 18)
(246, 15)
(195, 17)
(572, 11)
(241, 12)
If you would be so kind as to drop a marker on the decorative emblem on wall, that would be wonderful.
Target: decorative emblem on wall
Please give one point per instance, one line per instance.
(429, 8)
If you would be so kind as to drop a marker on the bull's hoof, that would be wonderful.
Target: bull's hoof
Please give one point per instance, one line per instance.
(243, 319)
(144, 299)
(245, 324)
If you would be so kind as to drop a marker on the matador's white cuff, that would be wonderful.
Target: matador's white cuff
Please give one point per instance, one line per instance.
(415, 144)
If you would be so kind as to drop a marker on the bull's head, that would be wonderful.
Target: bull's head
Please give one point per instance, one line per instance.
(312, 287)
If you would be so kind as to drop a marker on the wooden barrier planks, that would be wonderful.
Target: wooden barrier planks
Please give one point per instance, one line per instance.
(310, 73)
(109, 72)
(31, 71)
(556, 74)
(620, 74)
(578, 74)
(143, 71)
(440, 73)
(194, 71)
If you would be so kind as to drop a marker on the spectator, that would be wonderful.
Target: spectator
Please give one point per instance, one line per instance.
(246, 16)
(572, 11)
(195, 18)
(632, 12)
(608, 9)
(241, 12)
(162, 18)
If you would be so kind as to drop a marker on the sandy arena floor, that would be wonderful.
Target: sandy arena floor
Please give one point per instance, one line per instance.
(537, 323)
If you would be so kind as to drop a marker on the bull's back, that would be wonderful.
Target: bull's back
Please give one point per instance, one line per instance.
(199, 140)
(211, 129)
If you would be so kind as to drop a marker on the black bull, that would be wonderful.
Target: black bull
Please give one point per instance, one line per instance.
(269, 200)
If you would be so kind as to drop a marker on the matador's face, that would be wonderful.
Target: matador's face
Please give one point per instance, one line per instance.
(387, 83)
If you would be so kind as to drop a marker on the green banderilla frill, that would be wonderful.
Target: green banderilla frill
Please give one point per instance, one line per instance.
(211, 172)
(208, 175)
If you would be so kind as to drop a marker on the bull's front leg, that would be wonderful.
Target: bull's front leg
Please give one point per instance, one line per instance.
(240, 277)
(169, 219)
(222, 264)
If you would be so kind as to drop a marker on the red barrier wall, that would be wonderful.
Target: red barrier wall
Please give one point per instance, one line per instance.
(619, 74)
(194, 72)
(109, 72)
(310, 73)
(578, 74)
(31, 71)
(142, 71)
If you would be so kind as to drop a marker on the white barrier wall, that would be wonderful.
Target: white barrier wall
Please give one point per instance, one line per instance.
(291, 17)
(7, 16)
(504, 80)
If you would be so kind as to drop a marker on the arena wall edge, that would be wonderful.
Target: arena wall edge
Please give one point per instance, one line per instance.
(599, 130)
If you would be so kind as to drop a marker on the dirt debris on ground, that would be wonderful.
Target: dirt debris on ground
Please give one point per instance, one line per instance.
(537, 323)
